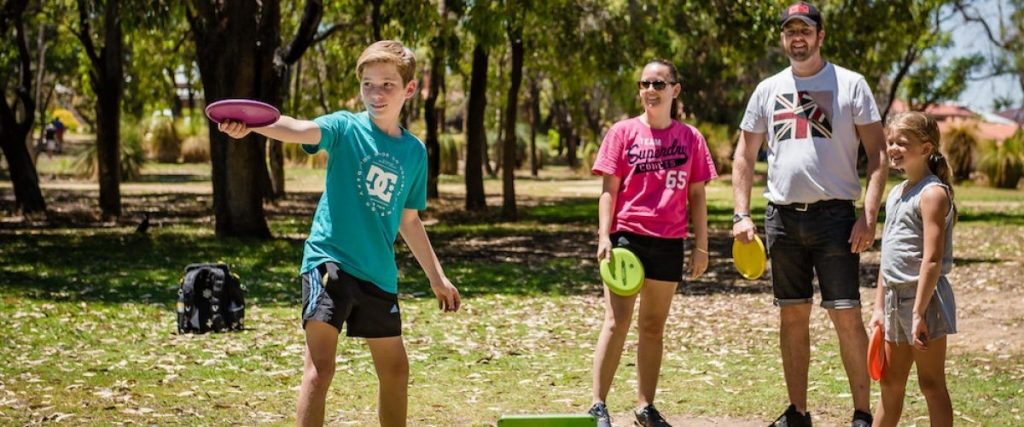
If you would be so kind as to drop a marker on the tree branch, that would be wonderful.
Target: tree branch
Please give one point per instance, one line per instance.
(312, 13)
(959, 5)
(323, 35)
(84, 35)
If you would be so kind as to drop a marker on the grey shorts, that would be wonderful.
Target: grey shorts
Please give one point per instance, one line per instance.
(940, 316)
(812, 240)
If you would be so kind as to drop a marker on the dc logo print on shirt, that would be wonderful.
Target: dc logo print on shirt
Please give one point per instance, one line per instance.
(382, 177)
(802, 114)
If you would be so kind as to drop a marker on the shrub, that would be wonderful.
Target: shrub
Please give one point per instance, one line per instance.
(1003, 161)
(68, 118)
(451, 150)
(195, 149)
(587, 157)
(161, 140)
(295, 155)
(959, 145)
(131, 160)
(721, 144)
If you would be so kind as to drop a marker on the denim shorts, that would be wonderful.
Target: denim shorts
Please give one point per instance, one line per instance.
(809, 240)
(662, 258)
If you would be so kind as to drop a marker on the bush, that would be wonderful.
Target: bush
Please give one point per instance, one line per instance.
(721, 144)
(295, 155)
(161, 140)
(587, 157)
(959, 145)
(66, 117)
(132, 155)
(451, 151)
(195, 149)
(1003, 161)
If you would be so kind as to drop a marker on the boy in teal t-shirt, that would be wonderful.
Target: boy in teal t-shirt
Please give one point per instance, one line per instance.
(376, 185)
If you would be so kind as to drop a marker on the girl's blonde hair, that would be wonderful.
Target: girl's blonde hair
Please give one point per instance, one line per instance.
(925, 129)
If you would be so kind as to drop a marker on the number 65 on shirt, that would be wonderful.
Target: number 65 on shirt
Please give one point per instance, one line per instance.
(675, 180)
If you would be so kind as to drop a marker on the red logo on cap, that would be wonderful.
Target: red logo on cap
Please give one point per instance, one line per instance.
(799, 8)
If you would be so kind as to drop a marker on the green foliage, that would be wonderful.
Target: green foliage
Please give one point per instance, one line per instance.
(959, 145)
(66, 117)
(133, 156)
(932, 82)
(161, 140)
(1003, 161)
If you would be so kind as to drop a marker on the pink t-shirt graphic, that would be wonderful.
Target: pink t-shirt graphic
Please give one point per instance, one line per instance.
(656, 167)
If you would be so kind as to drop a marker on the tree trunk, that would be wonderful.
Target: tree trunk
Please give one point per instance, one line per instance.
(14, 133)
(107, 77)
(508, 211)
(476, 136)
(376, 19)
(235, 64)
(431, 117)
(231, 65)
(535, 121)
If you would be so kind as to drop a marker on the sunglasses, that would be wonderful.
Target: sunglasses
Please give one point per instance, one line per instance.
(657, 84)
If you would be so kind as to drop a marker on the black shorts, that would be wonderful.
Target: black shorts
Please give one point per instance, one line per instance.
(662, 258)
(333, 296)
(809, 240)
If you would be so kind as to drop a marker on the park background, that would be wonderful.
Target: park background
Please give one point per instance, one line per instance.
(515, 97)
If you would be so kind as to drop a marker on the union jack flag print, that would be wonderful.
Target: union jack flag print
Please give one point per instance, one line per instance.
(796, 118)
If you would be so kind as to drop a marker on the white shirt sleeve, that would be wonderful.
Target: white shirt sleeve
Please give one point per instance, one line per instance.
(865, 110)
(754, 119)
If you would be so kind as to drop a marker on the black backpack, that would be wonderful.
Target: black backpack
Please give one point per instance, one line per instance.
(210, 298)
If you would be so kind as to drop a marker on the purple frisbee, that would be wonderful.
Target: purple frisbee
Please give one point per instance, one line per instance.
(253, 113)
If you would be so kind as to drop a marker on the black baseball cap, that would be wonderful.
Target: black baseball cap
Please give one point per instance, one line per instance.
(803, 11)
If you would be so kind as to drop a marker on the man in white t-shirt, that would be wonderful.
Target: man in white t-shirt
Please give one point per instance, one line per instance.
(815, 115)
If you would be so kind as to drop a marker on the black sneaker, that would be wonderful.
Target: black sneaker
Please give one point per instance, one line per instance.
(862, 419)
(792, 418)
(600, 412)
(649, 417)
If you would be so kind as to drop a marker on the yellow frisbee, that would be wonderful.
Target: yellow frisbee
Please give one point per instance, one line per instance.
(749, 258)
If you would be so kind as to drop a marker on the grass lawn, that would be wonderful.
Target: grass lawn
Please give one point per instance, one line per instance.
(87, 320)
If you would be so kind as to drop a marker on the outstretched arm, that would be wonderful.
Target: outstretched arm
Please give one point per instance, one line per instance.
(873, 138)
(285, 129)
(416, 237)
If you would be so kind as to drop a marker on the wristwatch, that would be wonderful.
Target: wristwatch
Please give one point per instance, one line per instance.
(739, 217)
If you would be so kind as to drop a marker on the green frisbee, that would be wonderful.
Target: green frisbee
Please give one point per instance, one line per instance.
(622, 273)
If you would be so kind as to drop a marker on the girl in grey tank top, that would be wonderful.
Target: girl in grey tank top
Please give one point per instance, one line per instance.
(914, 301)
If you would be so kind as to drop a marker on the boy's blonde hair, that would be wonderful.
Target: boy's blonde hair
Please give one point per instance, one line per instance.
(390, 52)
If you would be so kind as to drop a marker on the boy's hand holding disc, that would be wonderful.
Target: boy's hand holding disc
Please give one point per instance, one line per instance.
(252, 113)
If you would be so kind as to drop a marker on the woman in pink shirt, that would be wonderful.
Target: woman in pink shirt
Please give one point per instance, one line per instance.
(654, 168)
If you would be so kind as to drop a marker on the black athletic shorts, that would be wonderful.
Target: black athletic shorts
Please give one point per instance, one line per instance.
(332, 296)
(662, 258)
